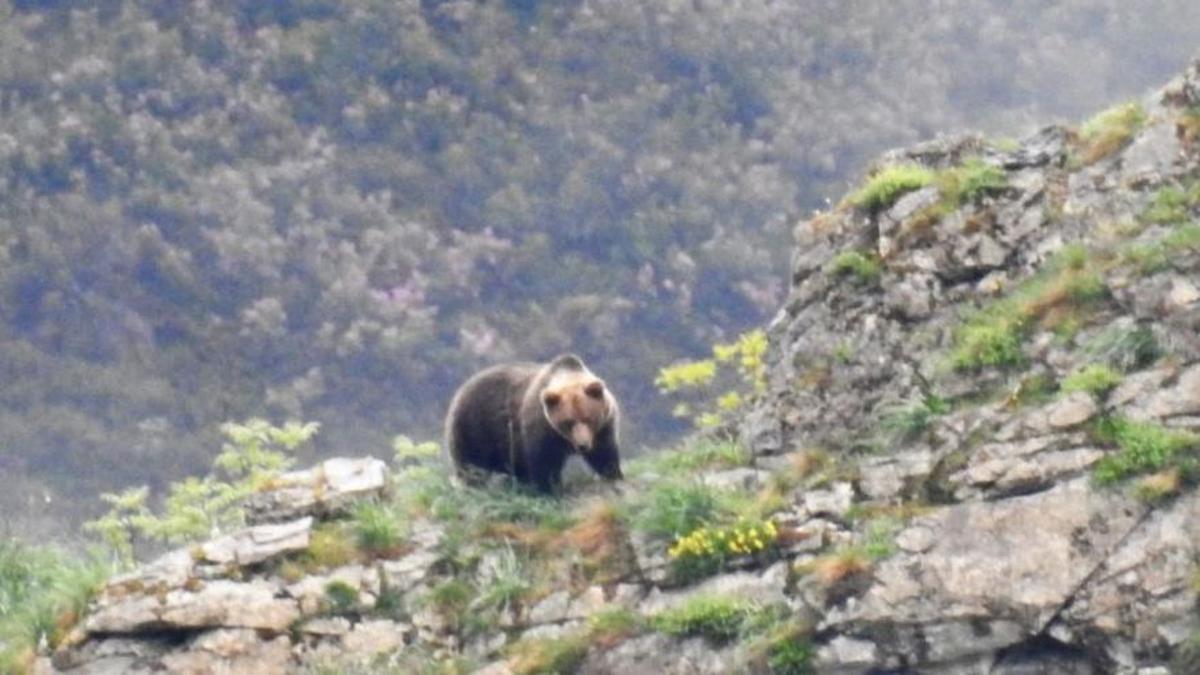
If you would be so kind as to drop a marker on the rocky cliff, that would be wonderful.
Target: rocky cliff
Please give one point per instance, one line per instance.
(977, 454)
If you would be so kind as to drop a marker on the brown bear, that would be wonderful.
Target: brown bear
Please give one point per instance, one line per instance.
(526, 419)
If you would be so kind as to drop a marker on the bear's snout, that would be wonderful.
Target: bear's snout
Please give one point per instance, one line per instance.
(581, 437)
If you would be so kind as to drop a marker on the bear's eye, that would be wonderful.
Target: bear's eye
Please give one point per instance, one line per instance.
(551, 399)
(595, 390)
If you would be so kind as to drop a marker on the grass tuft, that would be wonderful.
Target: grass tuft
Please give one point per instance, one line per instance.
(1125, 348)
(340, 596)
(966, 183)
(862, 267)
(599, 537)
(1156, 256)
(717, 618)
(508, 585)
(701, 454)
(330, 546)
(1096, 379)
(43, 593)
(674, 509)
(378, 528)
(885, 187)
(1142, 447)
(1159, 487)
(608, 628)
(1056, 297)
(907, 422)
(1171, 205)
(548, 656)
(1109, 131)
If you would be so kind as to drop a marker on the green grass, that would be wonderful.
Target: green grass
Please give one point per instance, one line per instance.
(862, 267)
(1070, 284)
(1156, 256)
(1172, 205)
(470, 511)
(784, 646)
(716, 618)
(1125, 348)
(1142, 447)
(509, 584)
(701, 454)
(1033, 389)
(548, 656)
(989, 341)
(340, 596)
(697, 455)
(378, 528)
(330, 545)
(966, 183)
(43, 592)
(879, 538)
(674, 509)
(1096, 379)
(451, 599)
(1108, 132)
(885, 187)
(612, 626)
(906, 422)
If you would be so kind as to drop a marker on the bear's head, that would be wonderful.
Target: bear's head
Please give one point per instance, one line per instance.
(578, 407)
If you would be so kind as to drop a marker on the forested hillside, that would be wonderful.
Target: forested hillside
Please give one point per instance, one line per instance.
(334, 211)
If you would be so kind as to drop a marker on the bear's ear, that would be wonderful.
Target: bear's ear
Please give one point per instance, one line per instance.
(551, 399)
(595, 389)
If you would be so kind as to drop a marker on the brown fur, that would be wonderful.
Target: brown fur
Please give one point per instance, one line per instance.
(526, 419)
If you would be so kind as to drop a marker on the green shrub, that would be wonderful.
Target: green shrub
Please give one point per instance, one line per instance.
(194, 508)
(885, 187)
(716, 618)
(713, 390)
(989, 342)
(1142, 447)
(341, 596)
(862, 267)
(407, 452)
(1096, 379)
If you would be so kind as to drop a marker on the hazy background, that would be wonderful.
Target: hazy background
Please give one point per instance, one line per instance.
(335, 211)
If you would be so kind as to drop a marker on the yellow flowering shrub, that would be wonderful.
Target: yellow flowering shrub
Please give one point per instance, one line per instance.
(705, 550)
(715, 389)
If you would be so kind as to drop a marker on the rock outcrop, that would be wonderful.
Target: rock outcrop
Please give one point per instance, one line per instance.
(1000, 401)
